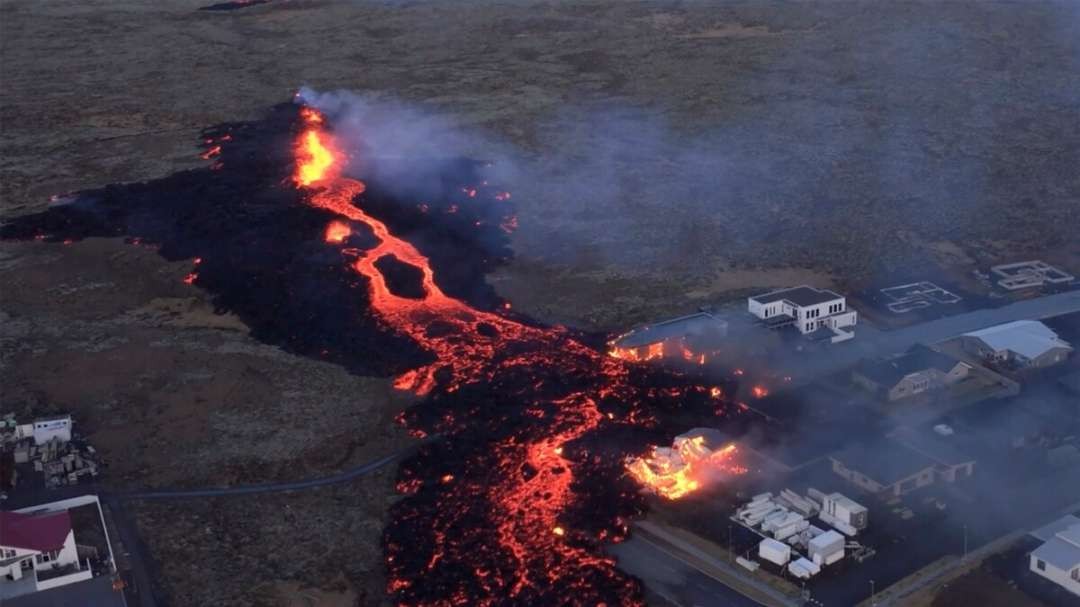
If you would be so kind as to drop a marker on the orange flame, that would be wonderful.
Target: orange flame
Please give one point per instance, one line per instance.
(644, 353)
(678, 471)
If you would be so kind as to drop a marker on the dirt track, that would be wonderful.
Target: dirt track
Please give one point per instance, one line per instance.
(672, 153)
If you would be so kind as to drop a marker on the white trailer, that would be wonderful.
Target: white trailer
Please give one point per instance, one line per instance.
(843, 513)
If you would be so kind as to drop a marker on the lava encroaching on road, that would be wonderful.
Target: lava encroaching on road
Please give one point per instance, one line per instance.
(512, 523)
(514, 505)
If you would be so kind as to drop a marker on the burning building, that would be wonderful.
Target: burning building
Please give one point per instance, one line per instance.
(691, 338)
(695, 459)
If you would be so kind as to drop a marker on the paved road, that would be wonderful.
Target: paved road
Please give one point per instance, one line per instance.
(806, 367)
(323, 481)
(896, 595)
(672, 579)
(729, 583)
(127, 530)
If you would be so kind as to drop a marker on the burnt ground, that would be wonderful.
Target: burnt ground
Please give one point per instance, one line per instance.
(675, 152)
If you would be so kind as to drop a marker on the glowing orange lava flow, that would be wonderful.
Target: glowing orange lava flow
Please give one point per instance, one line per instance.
(685, 467)
(337, 232)
(524, 509)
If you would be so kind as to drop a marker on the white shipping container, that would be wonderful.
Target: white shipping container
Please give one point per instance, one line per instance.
(790, 530)
(826, 543)
(790, 519)
(754, 519)
(807, 565)
(840, 525)
(747, 563)
(774, 520)
(774, 551)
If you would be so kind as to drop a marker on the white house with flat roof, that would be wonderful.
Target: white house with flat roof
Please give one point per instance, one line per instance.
(814, 312)
(1058, 559)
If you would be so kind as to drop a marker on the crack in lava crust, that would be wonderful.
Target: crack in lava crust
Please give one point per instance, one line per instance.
(507, 523)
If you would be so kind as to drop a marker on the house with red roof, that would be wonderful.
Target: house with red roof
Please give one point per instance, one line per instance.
(38, 552)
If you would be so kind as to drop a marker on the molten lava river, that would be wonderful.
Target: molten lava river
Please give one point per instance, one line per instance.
(506, 528)
(543, 446)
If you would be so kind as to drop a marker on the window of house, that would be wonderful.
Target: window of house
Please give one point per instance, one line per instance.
(1040, 564)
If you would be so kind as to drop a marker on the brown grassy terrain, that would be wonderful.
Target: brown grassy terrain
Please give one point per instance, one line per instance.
(670, 154)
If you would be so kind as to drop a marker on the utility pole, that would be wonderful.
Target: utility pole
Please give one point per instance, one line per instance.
(873, 594)
(964, 559)
(730, 546)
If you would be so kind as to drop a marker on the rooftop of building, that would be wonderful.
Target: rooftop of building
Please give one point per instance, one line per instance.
(29, 532)
(1028, 338)
(800, 296)
(1050, 529)
(694, 324)
(1060, 551)
(886, 462)
(933, 445)
(889, 372)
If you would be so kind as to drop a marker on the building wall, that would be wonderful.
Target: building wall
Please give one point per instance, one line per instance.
(913, 482)
(977, 347)
(814, 312)
(856, 478)
(1050, 357)
(951, 474)
(44, 431)
(957, 373)
(77, 576)
(921, 478)
(65, 556)
(1069, 580)
(844, 319)
(769, 310)
(917, 383)
(14, 569)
